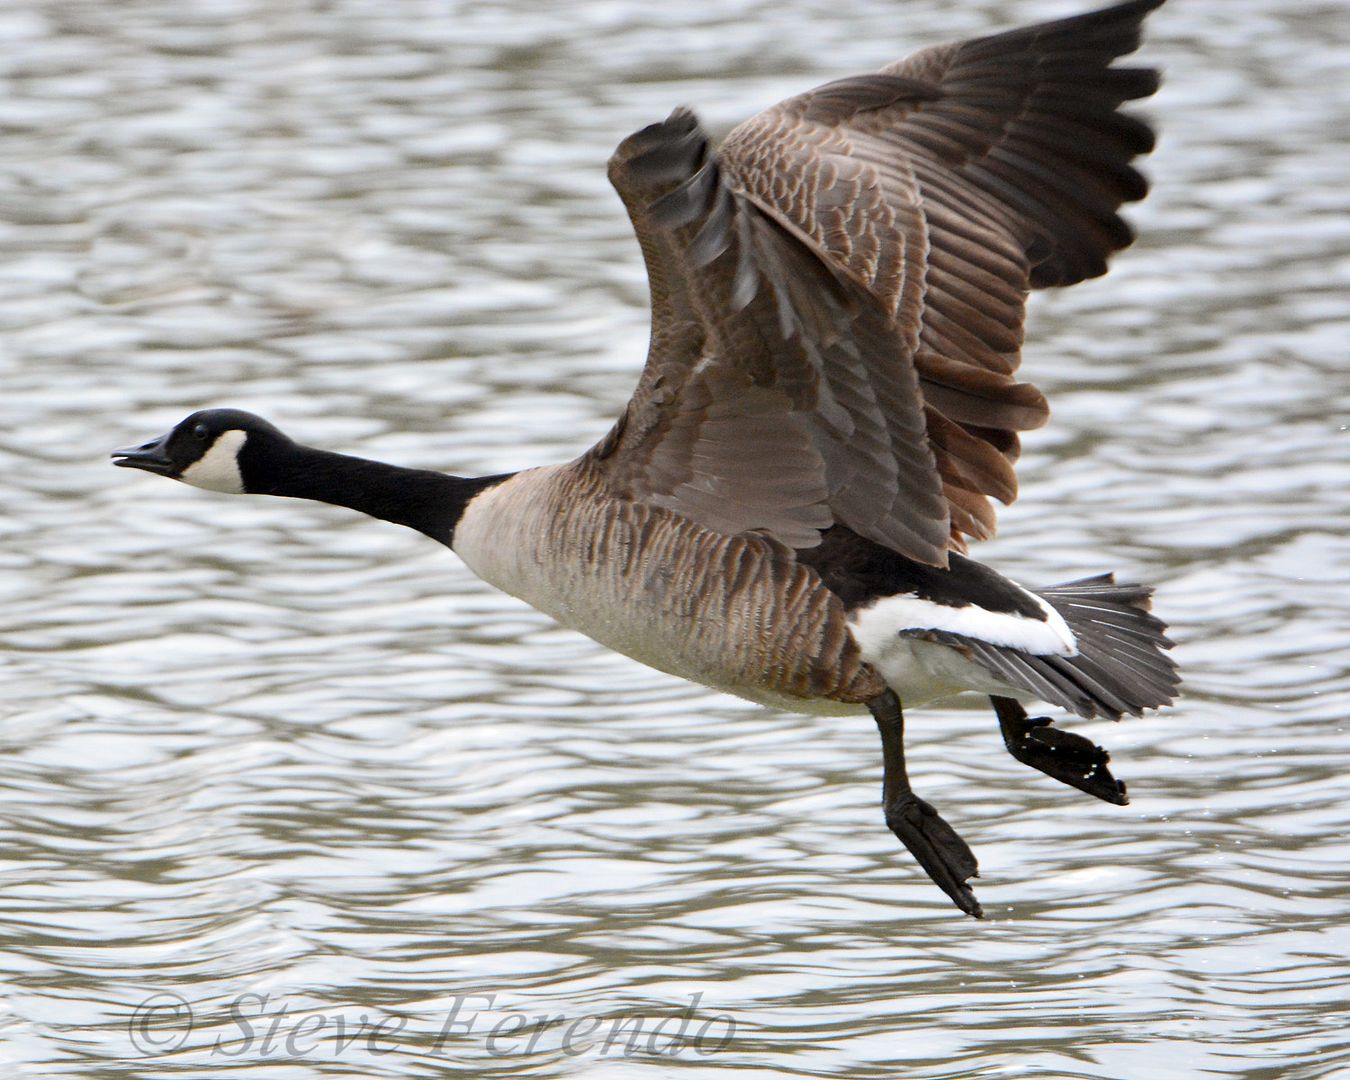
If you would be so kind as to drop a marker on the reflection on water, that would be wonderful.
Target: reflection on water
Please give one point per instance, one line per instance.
(281, 752)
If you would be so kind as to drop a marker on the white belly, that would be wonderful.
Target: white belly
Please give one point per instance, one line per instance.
(923, 671)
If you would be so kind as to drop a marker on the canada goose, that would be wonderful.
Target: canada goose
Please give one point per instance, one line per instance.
(827, 406)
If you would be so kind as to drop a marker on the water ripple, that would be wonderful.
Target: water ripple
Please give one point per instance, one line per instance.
(306, 774)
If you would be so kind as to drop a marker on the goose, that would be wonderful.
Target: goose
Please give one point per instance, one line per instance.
(828, 404)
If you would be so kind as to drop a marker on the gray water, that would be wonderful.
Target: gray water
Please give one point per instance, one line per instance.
(297, 774)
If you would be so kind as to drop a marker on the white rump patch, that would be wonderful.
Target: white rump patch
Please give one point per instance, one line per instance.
(218, 468)
(875, 627)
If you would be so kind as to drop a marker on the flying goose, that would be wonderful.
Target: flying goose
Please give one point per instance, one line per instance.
(827, 407)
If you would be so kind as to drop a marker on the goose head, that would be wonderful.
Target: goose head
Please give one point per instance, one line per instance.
(211, 449)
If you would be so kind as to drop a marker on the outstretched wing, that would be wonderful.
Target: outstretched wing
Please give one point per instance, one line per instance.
(838, 293)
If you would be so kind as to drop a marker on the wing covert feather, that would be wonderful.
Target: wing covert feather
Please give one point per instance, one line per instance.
(838, 293)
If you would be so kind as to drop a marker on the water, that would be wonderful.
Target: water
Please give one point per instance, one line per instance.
(298, 773)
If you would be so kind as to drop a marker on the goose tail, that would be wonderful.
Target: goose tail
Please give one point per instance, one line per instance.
(1121, 667)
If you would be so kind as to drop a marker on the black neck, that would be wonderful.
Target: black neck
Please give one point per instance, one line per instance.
(430, 502)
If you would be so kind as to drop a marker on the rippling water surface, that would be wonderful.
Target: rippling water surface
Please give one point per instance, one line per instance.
(298, 774)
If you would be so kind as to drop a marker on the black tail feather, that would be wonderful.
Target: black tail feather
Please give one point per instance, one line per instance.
(1121, 667)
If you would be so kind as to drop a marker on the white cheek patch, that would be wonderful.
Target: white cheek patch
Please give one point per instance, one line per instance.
(218, 468)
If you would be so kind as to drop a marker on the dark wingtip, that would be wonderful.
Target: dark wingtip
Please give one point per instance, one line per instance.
(664, 152)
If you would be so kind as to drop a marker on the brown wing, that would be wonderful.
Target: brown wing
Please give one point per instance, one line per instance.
(838, 294)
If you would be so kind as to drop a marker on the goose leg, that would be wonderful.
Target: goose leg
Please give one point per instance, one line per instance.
(941, 852)
(1067, 757)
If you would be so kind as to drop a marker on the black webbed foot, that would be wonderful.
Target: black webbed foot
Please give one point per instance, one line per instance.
(1068, 758)
(945, 857)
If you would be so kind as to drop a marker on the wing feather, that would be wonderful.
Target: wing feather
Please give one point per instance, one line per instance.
(838, 292)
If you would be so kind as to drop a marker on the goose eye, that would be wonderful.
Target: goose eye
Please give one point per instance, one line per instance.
(201, 432)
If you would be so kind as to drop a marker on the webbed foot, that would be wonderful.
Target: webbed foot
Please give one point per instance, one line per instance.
(945, 857)
(1068, 758)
